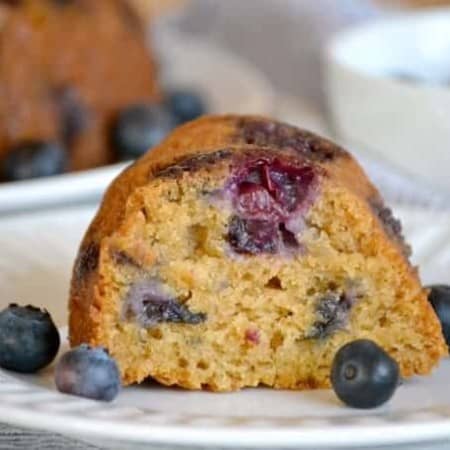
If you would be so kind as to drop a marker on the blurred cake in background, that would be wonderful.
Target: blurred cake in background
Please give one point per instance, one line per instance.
(67, 70)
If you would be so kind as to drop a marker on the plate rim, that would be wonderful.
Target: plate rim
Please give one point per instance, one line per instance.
(347, 436)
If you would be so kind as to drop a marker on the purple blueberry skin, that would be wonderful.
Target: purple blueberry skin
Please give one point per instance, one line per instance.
(88, 372)
(29, 340)
(363, 375)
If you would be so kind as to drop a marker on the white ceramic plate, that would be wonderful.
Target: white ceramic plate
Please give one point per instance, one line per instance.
(227, 82)
(37, 253)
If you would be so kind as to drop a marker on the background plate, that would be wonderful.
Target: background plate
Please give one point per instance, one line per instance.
(35, 263)
(228, 84)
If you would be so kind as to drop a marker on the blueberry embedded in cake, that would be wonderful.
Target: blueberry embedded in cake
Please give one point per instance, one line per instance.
(149, 303)
(243, 251)
(269, 197)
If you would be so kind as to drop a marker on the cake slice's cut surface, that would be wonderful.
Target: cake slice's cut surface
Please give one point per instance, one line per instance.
(248, 266)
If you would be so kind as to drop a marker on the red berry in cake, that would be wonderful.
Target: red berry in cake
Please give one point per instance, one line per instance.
(33, 159)
(255, 202)
(363, 375)
(29, 340)
(253, 336)
(88, 372)
(268, 196)
(287, 185)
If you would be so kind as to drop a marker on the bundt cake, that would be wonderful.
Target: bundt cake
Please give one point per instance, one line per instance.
(243, 251)
(67, 67)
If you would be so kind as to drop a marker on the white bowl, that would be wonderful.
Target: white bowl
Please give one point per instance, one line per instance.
(407, 123)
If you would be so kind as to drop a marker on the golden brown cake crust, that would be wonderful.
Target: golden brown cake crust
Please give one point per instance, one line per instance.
(207, 135)
(67, 69)
(208, 141)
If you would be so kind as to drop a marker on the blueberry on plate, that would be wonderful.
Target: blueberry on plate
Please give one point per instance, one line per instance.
(439, 297)
(139, 128)
(34, 159)
(29, 340)
(363, 375)
(185, 105)
(88, 372)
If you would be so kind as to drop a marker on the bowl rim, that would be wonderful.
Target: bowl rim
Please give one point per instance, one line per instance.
(333, 50)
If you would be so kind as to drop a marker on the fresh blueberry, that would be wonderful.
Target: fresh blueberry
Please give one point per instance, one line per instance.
(363, 375)
(88, 372)
(439, 298)
(29, 340)
(139, 128)
(34, 159)
(185, 105)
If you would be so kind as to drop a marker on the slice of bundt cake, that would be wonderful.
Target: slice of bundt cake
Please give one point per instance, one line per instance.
(243, 251)
(67, 68)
